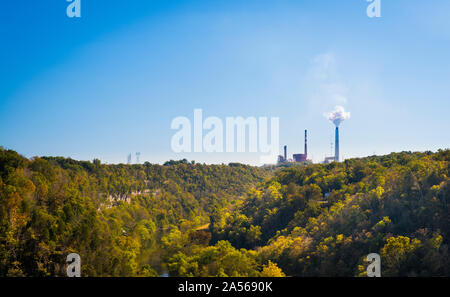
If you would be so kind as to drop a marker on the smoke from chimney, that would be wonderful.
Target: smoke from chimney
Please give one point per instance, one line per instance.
(338, 115)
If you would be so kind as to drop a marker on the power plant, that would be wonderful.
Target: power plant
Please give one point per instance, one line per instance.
(303, 157)
(299, 158)
(337, 116)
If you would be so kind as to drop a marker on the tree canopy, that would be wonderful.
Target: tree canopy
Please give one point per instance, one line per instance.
(191, 219)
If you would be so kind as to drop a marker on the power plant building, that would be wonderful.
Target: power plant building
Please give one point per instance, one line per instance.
(299, 158)
(336, 117)
(303, 157)
(283, 158)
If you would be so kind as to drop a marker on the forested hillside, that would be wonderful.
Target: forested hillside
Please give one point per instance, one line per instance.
(322, 220)
(123, 220)
(191, 219)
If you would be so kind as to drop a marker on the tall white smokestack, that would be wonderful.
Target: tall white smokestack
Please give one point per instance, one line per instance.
(337, 116)
(336, 146)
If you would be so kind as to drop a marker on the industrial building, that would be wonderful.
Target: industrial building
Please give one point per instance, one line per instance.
(298, 158)
(329, 160)
(283, 158)
(303, 157)
(334, 158)
(335, 117)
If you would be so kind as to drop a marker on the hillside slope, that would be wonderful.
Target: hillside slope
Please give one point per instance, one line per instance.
(117, 217)
(225, 220)
(322, 220)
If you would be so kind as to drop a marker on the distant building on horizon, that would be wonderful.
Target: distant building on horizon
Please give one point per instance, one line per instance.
(296, 158)
(329, 160)
(300, 158)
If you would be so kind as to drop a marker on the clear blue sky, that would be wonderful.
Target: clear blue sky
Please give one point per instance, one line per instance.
(110, 83)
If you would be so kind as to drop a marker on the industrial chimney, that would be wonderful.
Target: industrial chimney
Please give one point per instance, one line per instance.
(336, 146)
(337, 116)
(306, 144)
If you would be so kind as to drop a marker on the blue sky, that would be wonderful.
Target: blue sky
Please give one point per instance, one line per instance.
(110, 83)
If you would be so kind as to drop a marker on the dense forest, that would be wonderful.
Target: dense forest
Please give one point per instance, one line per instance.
(188, 219)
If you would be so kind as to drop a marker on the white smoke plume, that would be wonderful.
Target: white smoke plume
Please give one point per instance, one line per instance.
(338, 115)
